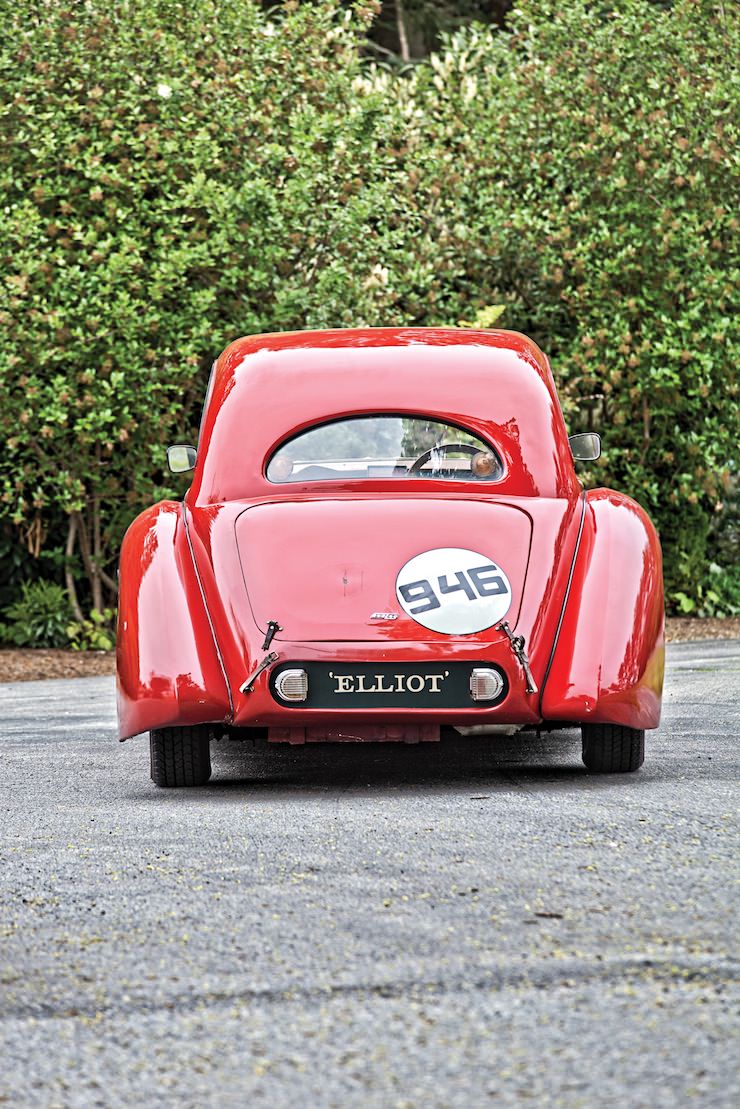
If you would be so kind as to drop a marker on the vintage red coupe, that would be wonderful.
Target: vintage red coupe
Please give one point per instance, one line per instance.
(385, 538)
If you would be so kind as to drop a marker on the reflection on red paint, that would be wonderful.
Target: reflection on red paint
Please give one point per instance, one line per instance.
(608, 663)
(167, 664)
(496, 383)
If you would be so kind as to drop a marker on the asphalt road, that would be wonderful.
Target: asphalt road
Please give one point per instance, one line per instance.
(477, 923)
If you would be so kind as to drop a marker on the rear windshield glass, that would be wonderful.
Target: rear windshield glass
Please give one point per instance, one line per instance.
(385, 447)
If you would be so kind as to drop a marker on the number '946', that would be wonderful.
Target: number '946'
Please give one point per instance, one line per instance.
(479, 581)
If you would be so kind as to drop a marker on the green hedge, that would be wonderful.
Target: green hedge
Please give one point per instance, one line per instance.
(176, 174)
(587, 180)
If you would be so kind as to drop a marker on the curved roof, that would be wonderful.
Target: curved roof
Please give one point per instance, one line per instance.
(265, 388)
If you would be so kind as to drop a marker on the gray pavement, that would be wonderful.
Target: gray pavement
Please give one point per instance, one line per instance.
(470, 923)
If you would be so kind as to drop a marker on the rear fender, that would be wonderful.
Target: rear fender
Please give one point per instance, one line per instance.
(607, 664)
(168, 664)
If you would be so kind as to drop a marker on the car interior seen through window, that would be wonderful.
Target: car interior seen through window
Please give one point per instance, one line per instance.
(385, 447)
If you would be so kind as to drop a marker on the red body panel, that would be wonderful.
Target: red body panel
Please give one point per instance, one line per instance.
(496, 383)
(327, 585)
(199, 581)
(609, 659)
(168, 666)
(555, 523)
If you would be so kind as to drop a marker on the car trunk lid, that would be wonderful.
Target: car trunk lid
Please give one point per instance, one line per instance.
(328, 570)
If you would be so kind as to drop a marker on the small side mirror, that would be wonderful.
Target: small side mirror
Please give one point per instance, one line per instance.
(586, 446)
(181, 458)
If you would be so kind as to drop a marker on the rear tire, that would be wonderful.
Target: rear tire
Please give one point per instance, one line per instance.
(180, 756)
(612, 749)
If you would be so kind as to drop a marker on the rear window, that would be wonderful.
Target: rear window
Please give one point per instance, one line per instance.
(367, 447)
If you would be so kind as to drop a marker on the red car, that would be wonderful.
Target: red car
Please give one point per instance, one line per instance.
(385, 538)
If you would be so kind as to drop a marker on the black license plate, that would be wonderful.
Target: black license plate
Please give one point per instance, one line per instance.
(381, 685)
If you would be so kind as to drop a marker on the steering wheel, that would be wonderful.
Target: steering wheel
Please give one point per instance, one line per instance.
(443, 448)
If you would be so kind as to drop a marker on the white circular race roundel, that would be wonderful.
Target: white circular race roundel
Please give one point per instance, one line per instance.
(453, 590)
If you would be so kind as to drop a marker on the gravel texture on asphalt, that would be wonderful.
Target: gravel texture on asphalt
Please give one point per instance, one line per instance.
(477, 922)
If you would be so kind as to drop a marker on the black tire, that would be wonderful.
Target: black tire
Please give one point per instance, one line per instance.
(180, 756)
(612, 749)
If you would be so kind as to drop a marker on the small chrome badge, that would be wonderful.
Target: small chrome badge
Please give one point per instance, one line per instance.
(384, 616)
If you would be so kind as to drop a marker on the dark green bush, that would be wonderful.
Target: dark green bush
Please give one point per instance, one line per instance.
(583, 170)
(38, 618)
(176, 174)
(718, 594)
(173, 175)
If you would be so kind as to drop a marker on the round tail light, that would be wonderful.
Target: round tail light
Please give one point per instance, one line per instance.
(292, 685)
(486, 684)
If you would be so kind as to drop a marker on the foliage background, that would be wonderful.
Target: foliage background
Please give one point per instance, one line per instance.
(176, 174)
